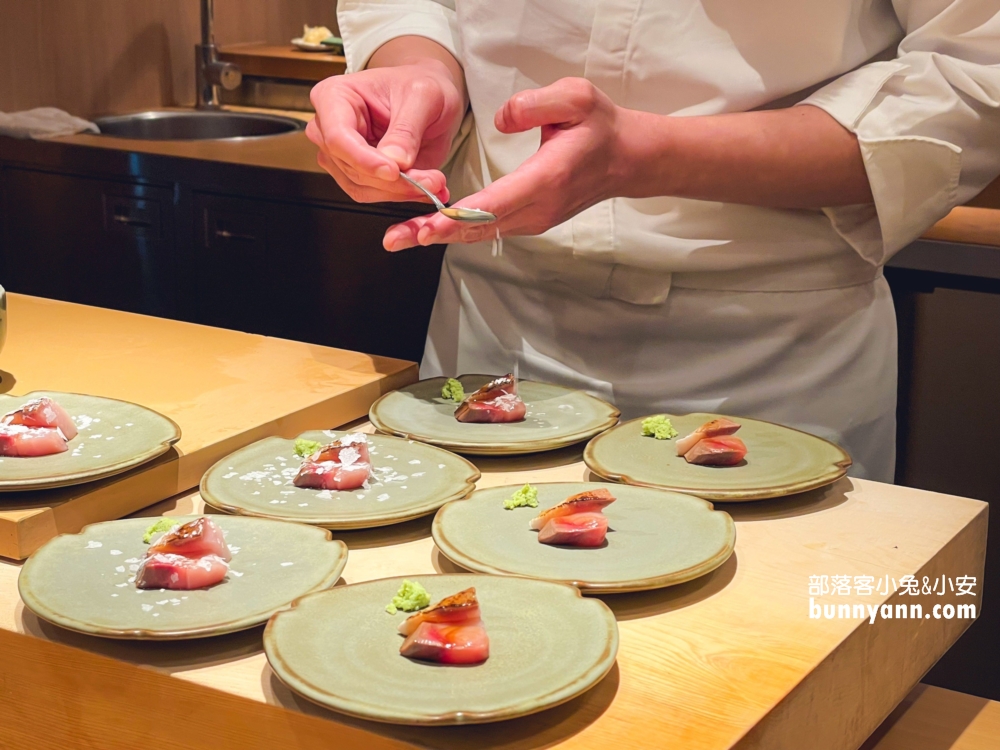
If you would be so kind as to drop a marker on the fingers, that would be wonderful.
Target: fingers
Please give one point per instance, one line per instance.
(365, 189)
(408, 121)
(566, 101)
(341, 127)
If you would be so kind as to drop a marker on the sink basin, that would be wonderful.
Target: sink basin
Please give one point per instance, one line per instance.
(196, 125)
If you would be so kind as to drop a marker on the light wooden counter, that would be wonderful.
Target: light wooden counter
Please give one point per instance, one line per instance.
(728, 661)
(225, 389)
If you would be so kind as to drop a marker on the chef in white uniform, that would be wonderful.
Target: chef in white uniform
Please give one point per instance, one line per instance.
(696, 197)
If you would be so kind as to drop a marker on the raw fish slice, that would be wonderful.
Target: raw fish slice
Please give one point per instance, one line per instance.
(343, 451)
(43, 412)
(578, 530)
(497, 401)
(717, 451)
(342, 465)
(169, 571)
(590, 501)
(715, 428)
(194, 539)
(459, 609)
(330, 475)
(448, 644)
(28, 442)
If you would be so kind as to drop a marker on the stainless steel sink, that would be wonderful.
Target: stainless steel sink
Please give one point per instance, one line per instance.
(196, 125)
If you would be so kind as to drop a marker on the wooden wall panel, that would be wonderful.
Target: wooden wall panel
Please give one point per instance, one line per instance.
(93, 57)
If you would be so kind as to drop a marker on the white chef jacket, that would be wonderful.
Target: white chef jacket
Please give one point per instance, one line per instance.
(669, 304)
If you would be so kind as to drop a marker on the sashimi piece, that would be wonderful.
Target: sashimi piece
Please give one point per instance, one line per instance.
(347, 450)
(28, 442)
(342, 465)
(578, 530)
(717, 451)
(448, 644)
(715, 428)
(170, 571)
(459, 609)
(591, 501)
(497, 401)
(43, 412)
(194, 539)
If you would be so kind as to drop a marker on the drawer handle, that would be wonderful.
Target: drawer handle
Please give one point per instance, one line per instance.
(123, 219)
(227, 235)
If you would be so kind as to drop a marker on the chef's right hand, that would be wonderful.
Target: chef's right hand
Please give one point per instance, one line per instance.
(373, 124)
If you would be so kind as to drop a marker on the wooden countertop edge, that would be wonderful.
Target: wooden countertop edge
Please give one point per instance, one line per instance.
(973, 225)
(861, 651)
(280, 61)
(47, 676)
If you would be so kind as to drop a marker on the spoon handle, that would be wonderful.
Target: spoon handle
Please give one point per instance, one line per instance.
(438, 204)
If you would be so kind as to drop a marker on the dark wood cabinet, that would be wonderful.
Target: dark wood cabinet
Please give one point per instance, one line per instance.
(264, 251)
(311, 273)
(97, 242)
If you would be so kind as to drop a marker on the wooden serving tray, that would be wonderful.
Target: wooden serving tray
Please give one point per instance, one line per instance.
(225, 389)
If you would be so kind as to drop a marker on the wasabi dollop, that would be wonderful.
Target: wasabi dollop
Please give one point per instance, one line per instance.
(658, 427)
(304, 448)
(410, 597)
(526, 497)
(453, 391)
(162, 524)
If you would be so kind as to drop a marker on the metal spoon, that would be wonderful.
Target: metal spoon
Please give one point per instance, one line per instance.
(468, 215)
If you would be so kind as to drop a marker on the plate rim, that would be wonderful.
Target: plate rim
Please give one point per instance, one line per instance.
(212, 501)
(458, 718)
(537, 445)
(69, 480)
(449, 550)
(232, 626)
(836, 470)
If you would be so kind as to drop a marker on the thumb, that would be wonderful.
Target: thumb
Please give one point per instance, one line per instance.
(566, 101)
(405, 132)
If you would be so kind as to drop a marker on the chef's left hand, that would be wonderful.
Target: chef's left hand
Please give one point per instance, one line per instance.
(576, 166)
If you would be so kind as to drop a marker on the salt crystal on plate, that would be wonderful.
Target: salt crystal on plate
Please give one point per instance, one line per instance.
(147, 607)
(93, 544)
(116, 552)
(286, 564)
(120, 569)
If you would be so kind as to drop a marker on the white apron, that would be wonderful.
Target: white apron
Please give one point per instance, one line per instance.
(664, 304)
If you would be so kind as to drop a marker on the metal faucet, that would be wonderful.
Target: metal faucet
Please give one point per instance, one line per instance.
(211, 72)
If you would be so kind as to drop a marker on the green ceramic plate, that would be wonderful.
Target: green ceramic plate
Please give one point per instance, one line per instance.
(780, 461)
(114, 437)
(340, 649)
(409, 480)
(655, 538)
(556, 417)
(80, 581)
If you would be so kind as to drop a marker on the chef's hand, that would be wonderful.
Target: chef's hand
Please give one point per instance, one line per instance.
(576, 166)
(372, 124)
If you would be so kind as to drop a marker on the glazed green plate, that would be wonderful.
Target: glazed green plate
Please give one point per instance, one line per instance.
(556, 417)
(81, 581)
(340, 649)
(780, 461)
(409, 480)
(655, 538)
(114, 437)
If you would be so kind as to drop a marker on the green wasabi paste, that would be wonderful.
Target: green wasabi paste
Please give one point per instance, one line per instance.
(658, 427)
(526, 497)
(162, 524)
(410, 597)
(453, 391)
(304, 448)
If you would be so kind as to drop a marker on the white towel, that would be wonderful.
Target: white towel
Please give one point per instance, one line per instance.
(44, 122)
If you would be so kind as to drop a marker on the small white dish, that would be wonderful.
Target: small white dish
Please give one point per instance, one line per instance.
(307, 47)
